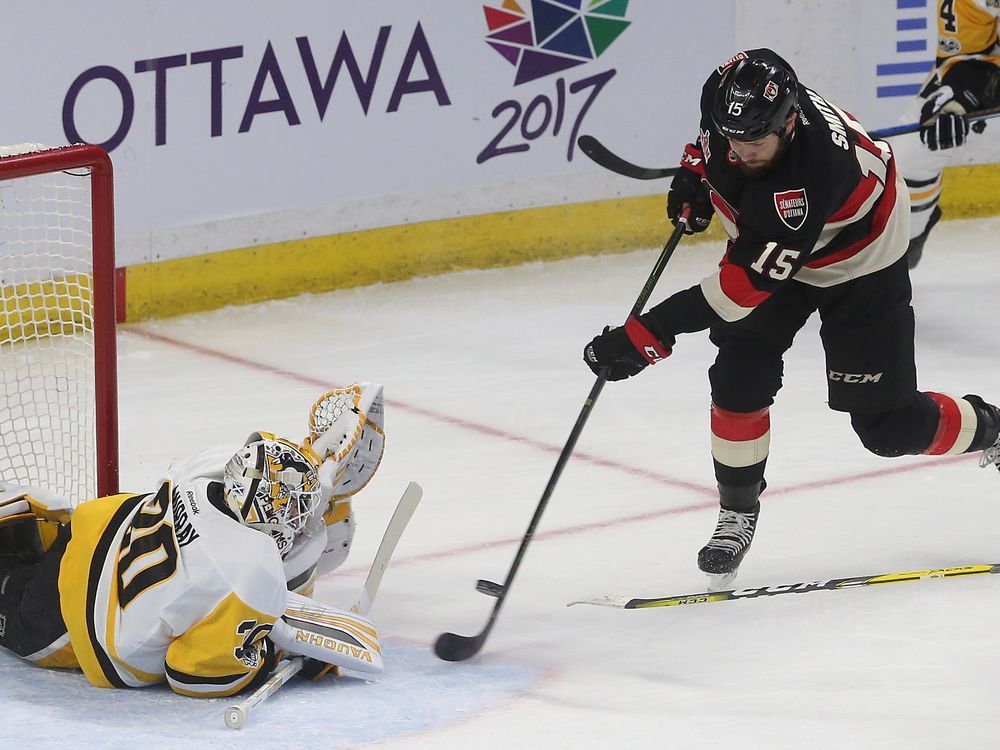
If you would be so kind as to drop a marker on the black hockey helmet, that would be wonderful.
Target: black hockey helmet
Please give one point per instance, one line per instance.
(755, 95)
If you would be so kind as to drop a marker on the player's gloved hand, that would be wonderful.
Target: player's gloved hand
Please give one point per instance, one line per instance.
(687, 188)
(942, 120)
(627, 350)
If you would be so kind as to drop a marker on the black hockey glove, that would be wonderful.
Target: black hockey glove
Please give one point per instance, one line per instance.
(627, 350)
(686, 187)
(968, 86)
(942, 120)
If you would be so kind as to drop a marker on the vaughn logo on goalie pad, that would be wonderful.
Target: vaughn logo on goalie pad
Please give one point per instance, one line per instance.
(334, 645)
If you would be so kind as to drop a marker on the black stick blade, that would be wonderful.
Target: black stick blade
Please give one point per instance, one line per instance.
(602, 156)
(453, 647)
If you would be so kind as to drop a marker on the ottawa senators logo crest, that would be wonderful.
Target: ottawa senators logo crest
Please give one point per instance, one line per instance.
(792, 207)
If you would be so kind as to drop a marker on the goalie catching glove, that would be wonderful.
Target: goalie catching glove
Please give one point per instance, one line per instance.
(328, 635)
(346, 431)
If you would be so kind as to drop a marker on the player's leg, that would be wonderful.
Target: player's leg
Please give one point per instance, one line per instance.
(964, 86)
(922, 170)
(31, 623)
(868, 334)
(930, 423)
(745, 378)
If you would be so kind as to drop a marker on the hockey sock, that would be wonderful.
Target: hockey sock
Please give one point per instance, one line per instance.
(965, 425)
(740, 443)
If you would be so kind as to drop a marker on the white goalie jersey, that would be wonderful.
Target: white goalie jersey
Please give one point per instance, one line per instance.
(169, 586)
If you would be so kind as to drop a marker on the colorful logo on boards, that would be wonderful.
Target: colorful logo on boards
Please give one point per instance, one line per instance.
(558, 34)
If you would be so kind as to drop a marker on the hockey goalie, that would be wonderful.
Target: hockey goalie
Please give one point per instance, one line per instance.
(203, 582)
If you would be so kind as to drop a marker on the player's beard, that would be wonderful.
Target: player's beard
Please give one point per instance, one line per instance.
(763, 169)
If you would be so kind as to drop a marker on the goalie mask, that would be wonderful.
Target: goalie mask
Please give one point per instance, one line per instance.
(272, 485)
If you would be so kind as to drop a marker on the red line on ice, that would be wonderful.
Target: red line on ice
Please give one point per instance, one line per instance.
(550, 448)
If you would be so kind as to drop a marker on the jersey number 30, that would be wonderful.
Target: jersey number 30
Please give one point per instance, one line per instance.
(148, 553)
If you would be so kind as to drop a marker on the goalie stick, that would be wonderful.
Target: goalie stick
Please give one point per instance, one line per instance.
(604, 157)
(236, 715)
(454, 647)
(833, 584)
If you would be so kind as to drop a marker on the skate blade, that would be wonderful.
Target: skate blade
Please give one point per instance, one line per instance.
(721, 581)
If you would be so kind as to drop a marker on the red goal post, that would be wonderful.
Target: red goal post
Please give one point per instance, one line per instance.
(58, 355)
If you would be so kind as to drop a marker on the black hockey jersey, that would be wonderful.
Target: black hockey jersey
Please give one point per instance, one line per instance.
(832, 208)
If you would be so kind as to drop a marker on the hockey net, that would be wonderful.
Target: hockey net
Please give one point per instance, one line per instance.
(58, 383)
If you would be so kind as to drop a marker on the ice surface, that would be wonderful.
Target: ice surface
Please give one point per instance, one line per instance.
(483, 381)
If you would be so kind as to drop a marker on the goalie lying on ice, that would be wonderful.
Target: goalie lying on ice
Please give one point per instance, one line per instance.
(191, 583)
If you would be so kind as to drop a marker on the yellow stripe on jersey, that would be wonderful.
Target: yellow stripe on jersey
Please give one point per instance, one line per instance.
(965, 27)
(220, 655)
(94, 527)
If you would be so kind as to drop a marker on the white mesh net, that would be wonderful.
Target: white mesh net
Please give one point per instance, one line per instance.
(47, 363)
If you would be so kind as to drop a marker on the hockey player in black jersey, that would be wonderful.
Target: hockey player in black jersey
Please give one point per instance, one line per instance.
(818, 220)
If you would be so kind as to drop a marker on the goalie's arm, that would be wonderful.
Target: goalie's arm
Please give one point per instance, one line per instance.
(224, 654)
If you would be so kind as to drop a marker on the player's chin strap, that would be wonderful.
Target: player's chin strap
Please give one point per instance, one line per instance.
(327, 634)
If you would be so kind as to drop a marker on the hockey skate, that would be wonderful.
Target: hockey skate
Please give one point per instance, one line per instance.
(991, 456)
(721, 557)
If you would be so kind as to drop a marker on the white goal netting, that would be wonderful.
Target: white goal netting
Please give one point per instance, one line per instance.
(48, 403)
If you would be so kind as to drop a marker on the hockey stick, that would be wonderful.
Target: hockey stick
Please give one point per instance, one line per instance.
(604, 157)
(833, 584)
(913, 127)
(453, 647)
(236, 715)
(400, 518)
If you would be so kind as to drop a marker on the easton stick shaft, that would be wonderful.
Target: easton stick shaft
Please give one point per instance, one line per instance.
(604, 157)
(832, 584)
(454, 647)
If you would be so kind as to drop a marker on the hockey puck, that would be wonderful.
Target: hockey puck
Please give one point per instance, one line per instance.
(489, 588)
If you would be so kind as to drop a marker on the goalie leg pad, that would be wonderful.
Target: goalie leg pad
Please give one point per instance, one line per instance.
(31, 622)
(30, 519)
(328, 634)
(21, 539)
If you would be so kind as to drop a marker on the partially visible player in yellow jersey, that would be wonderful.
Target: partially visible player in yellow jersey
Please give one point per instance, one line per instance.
(190, 584)
(966, 79)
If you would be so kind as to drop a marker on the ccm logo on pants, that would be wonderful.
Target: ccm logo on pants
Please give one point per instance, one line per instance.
(853, 377)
